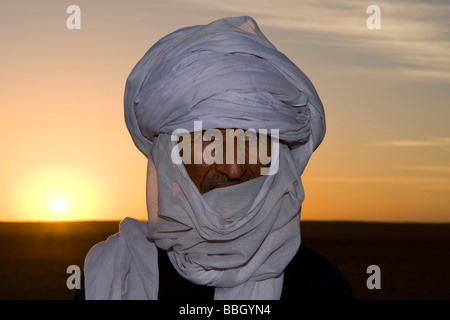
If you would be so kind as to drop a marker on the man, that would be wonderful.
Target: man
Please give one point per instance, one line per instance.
(220, 226)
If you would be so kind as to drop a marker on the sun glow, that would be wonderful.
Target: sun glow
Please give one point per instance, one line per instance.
(60, 194)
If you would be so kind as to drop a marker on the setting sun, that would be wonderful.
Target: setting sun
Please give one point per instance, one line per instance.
(59, 193)
(59, 205)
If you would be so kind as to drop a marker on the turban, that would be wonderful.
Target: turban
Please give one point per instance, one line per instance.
(226, 74)
(240, 238)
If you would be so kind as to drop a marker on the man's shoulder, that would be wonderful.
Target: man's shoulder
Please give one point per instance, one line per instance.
(102, 249)
(106, 250)
(121, 266)
(312, 276)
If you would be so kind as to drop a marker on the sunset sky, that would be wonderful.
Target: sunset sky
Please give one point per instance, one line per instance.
(386, 93)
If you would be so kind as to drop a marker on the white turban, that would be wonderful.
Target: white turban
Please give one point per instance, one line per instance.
(228, 75)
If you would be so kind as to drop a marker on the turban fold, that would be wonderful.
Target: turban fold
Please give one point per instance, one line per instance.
(226, 74)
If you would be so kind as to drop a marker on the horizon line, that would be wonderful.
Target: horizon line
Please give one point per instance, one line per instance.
(302, 220)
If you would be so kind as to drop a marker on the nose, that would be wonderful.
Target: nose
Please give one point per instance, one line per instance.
(233, 171)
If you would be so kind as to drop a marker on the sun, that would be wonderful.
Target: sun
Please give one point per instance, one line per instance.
(60, 192)
(59, 205)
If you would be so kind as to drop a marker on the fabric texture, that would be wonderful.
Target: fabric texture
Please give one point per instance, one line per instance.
(124, 267)
(228, 75)
(240, 252)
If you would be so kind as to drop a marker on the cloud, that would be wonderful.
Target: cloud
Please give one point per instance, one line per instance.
(432, 142)
(437, 169)
(404, 180)
(424, 183)
(414, 34)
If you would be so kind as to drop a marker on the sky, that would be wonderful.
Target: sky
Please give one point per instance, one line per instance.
(385, 157)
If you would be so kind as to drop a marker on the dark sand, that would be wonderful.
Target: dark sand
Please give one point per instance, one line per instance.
(414, 258)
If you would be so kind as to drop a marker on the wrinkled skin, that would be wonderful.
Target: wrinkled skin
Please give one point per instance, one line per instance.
(210, 176)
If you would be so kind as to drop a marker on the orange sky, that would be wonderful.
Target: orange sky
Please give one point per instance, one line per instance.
(62, 133)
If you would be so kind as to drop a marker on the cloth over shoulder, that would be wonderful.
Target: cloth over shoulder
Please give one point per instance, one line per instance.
(124, 267)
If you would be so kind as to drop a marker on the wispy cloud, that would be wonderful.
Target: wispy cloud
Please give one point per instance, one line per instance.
(436, 169)
(424, 183)
(432, 142)
(404, 180)
(414, 35)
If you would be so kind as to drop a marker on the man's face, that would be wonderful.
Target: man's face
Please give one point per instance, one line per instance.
(217, 175)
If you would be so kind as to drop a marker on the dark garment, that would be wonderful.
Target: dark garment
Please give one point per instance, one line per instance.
(311, 276)
(308, 276)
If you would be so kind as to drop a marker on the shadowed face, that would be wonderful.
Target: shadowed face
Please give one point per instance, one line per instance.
(217, 175)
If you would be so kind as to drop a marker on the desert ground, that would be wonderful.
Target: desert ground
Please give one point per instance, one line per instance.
(414, 258)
